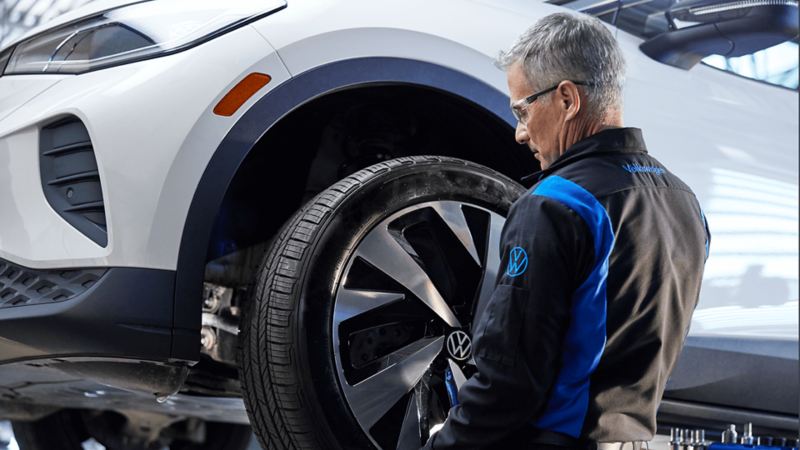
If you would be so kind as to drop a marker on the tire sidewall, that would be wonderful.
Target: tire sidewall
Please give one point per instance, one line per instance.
(336, 240)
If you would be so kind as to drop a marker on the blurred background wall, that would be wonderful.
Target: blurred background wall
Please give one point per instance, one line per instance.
(19, 16)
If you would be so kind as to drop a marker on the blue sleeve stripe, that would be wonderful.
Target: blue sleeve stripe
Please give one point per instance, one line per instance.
(586, 337)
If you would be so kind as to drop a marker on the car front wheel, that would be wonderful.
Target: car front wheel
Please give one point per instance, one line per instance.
(359, 329)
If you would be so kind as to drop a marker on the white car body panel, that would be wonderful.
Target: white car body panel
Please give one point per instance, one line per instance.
(313, 33)
(19, 91)
(147, 195)
(733, 140)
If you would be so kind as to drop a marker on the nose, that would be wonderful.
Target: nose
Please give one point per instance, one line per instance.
(521, 134)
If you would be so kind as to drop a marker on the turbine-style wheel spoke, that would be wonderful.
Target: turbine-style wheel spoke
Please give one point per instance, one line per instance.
(372, 398)
(354, 302)
(458, 374)
(493, 259)
(410, 437)
(382, 250)
(453, 216)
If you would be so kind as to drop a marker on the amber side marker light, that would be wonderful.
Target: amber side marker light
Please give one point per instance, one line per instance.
(239, 94)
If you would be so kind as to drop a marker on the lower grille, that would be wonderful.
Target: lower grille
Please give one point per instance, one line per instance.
(23, 286)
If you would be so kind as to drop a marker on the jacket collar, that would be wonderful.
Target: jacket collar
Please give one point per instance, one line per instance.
(610, 140)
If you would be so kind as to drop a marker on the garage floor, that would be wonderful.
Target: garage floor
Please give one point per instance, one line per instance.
(7, 441)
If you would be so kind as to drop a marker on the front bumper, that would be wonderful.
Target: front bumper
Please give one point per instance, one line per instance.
(112, 313)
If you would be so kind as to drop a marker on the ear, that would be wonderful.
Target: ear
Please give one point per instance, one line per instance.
(569, 99)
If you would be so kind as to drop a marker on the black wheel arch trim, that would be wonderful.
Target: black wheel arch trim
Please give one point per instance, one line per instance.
(255, 123)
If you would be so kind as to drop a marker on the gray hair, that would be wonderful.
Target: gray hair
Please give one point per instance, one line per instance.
(563, 46)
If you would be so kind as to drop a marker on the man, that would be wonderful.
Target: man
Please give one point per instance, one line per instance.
(603, 259)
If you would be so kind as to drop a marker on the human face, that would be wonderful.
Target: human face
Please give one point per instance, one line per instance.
(520, 107)
(542, 120)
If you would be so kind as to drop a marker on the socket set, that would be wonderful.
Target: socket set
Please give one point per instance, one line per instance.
(685, 439)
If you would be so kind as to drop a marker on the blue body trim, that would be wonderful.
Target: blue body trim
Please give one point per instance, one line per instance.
(265, 113)
(586, 337)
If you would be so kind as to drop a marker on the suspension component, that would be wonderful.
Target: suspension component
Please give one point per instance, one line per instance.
(220, 323)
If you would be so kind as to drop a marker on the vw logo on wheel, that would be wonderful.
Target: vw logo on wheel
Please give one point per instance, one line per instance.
(459, 345)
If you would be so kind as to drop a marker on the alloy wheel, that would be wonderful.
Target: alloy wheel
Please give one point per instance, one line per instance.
(403, 316)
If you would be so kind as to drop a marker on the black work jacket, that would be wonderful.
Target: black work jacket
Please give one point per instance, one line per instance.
(601, 270)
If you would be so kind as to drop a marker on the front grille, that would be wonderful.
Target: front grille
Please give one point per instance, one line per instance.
(23, 286)
(70, 178)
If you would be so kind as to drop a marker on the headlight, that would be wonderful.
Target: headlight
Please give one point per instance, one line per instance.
(131, 33)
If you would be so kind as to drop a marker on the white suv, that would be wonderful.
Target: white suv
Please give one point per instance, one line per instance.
(171, 172)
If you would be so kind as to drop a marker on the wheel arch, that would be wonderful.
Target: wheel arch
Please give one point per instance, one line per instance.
(258, 122)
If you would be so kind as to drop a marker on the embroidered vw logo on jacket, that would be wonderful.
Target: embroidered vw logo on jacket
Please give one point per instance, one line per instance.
(517, 262)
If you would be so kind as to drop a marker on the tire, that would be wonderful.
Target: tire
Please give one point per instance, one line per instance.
(68, 430)
(309, 361)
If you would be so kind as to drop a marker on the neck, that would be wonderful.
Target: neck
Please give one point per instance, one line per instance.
(582, 127)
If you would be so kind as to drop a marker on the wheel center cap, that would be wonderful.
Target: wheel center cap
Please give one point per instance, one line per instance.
(459, 345)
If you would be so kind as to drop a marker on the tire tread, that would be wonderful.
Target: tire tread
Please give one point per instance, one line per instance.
(271, 385)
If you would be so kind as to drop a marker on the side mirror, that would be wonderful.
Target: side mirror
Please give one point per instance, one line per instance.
(722, 27)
